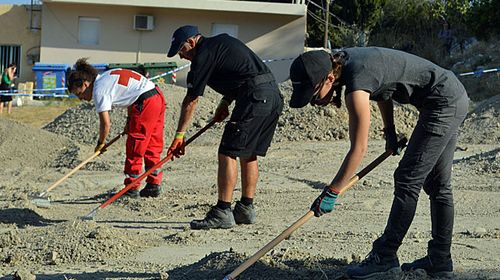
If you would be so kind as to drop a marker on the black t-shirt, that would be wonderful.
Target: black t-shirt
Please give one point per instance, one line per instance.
(387, 73)
(224, 63)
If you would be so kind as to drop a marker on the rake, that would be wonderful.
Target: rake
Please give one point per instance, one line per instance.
(41, 200)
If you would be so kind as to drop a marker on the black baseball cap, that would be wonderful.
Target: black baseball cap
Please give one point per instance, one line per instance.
(307, 71)
(180, 36)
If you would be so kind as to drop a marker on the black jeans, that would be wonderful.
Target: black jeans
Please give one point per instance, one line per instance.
(427, 164)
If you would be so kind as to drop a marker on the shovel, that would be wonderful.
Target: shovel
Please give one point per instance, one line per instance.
(307, 216)
(93, 213)
(41, 200)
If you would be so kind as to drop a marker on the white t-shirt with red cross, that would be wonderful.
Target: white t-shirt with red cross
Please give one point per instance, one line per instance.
(118, 87)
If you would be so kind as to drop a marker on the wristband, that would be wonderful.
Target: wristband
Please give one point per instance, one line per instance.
(333, 191)
(179, 135)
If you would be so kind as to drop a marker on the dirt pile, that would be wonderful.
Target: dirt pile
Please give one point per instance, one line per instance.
(482, 163)
(280, 264)
(289, 263)
(24, 146)
(482, 125)
(69, 243)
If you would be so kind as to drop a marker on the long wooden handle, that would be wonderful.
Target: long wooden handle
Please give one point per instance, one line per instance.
(269, 246)
(307, 216)
(96, 154)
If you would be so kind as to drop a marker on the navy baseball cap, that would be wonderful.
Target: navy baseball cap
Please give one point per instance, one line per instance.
(180, 36)
(306, 72)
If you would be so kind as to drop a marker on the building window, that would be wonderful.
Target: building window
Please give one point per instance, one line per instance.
(10, 54)
(230, 29)
(89, 30)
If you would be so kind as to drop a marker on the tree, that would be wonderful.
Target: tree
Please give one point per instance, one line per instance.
(404, 24)
(362, 15)
(483, 18)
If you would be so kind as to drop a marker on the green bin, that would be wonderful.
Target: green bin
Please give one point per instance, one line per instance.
(158, 68)
(137, 67)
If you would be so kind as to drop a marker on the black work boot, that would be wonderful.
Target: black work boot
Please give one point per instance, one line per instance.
(244, 214)
(441, 270)
(374, 264)
(216, 218)
(131, 193)
(151, 190)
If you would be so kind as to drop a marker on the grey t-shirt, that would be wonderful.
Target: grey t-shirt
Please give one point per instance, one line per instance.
(387, 73)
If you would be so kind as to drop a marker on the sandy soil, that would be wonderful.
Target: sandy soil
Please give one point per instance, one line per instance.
(151, 239)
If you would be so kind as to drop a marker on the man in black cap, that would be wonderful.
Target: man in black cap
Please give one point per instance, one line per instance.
(233, 70)
(384, 75)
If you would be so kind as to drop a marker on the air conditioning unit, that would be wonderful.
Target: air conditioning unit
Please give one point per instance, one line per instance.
(143, 22)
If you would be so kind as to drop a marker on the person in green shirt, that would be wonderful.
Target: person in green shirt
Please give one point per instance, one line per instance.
(5, 84)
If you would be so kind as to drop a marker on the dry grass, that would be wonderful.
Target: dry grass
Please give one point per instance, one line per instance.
(39, 116)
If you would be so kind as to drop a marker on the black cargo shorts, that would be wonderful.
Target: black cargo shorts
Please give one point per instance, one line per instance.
(253, 121)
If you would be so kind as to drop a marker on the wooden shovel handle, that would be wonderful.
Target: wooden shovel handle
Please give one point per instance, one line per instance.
(96, 154)
(307, 216)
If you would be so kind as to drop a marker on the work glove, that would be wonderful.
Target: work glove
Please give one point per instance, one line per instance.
(177, 148)
(222, 110)
(99, 147)
(391, 141)
(325, 202)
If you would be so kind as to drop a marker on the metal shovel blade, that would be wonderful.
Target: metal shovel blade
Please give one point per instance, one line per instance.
(41, 200)
(90, 216)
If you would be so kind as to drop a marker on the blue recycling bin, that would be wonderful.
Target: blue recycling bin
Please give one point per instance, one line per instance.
(101, 67)
(50, 76)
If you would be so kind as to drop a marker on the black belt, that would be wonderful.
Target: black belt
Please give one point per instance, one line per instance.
(146, 95)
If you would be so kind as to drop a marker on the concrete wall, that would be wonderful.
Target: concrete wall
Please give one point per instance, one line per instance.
(272, 36)
(15, 30)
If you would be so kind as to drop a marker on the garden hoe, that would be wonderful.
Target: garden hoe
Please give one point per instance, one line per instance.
(41, 200)
(307, 216)
(93, 213)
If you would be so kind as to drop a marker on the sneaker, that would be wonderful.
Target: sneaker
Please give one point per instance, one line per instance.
(244, 214)
(374, 264)
(151, 190)
(131, 193)
(441, 270)
(216, 218)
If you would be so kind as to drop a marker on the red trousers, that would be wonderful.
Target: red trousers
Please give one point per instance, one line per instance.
(145, 138)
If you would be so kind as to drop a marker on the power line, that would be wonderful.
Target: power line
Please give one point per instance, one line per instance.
(331, 14)
(321, 20)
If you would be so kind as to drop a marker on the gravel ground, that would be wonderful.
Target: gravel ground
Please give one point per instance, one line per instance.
(151, 239)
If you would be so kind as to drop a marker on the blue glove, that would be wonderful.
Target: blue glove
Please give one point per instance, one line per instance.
(391, 141)
(325, 202)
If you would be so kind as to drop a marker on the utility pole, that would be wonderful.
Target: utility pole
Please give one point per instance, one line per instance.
(326, 23)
